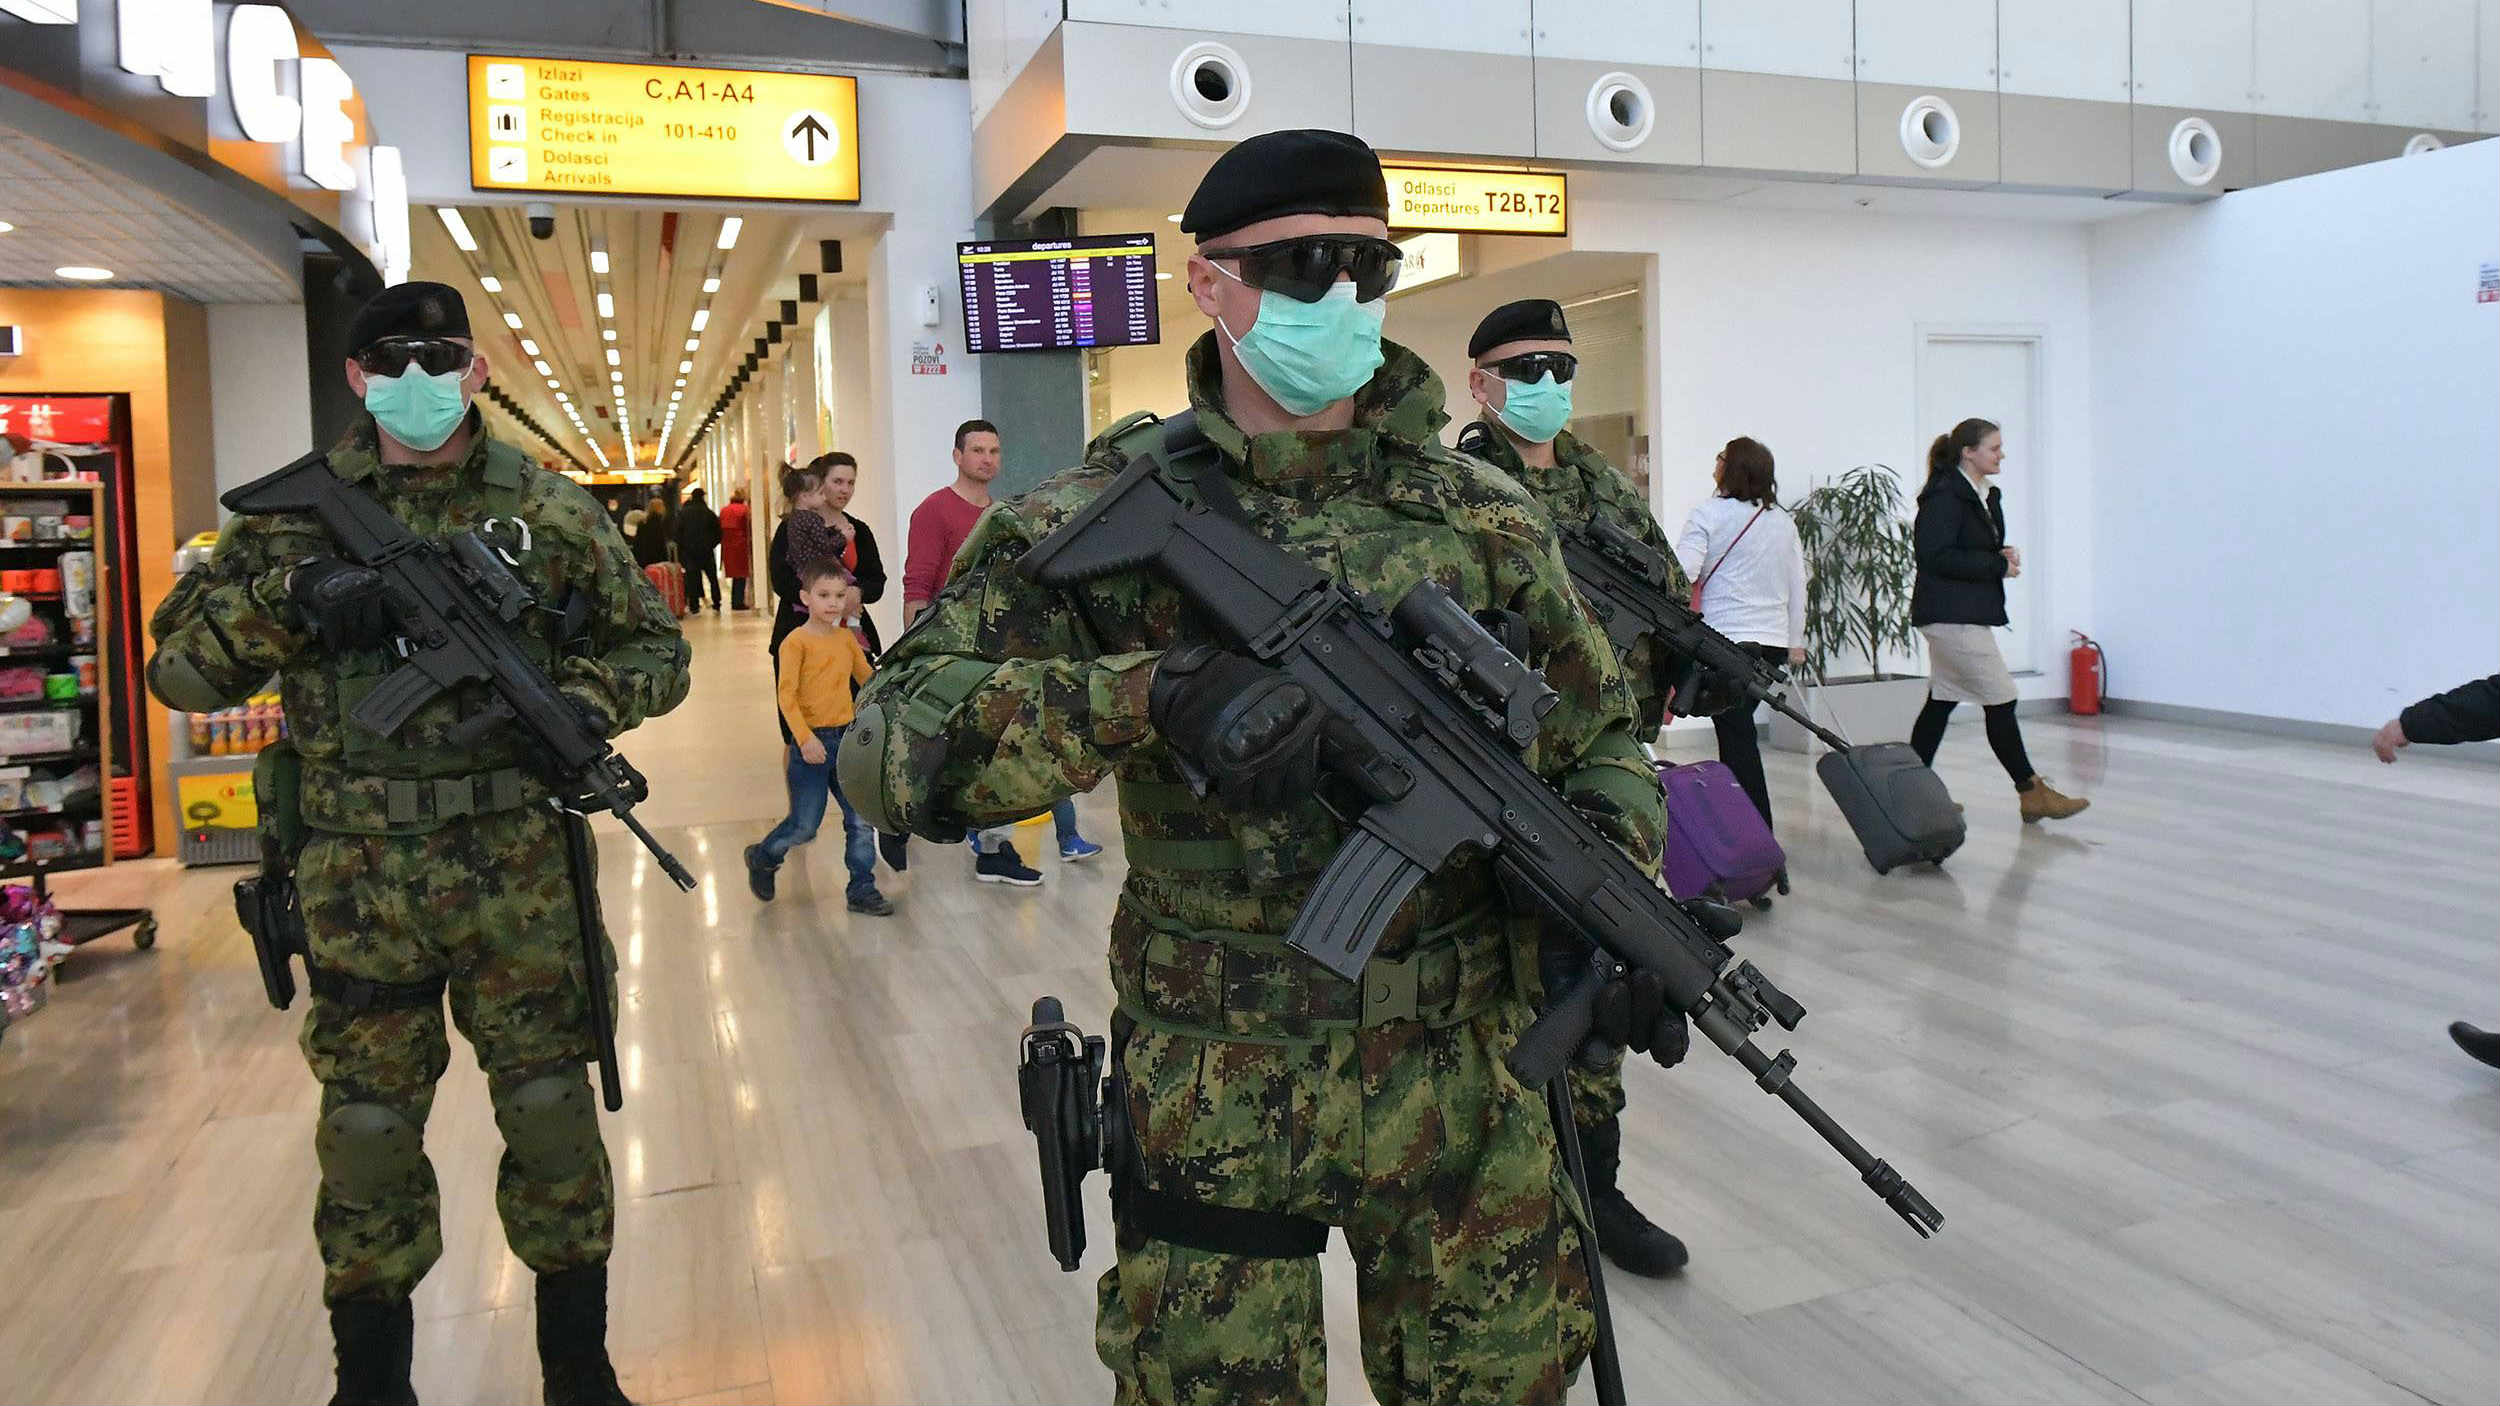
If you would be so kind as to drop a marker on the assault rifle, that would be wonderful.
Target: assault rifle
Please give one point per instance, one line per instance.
(457, 603)
(1430, 716)
(1626, 582)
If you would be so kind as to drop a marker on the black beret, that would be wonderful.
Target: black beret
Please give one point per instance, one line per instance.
(1301, 172)
(409, 310)
(1528, 320)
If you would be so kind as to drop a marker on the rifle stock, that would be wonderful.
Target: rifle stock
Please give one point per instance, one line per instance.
(1425, 746)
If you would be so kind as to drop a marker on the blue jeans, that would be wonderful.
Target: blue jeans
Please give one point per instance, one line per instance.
(1062, 816)
(810, 785)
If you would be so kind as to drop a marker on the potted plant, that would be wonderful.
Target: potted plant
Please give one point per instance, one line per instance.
(1861, 558)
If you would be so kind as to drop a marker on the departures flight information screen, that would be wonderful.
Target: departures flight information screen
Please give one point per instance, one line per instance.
(1055, 294)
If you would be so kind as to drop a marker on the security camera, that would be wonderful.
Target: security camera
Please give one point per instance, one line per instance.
(542, 220)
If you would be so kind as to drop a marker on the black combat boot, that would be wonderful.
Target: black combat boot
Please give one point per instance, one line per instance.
(2482, 1044)
(573, 1338)
(1627, 1237)
(374, 1340)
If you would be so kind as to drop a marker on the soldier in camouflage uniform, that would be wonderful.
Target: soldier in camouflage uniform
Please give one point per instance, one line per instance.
(1524, 365)
(429, 867)
(1270, 1098)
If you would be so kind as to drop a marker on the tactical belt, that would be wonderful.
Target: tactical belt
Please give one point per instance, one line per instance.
(1250, 986)
(360, 996)
(339, 800)
(1218, 1230)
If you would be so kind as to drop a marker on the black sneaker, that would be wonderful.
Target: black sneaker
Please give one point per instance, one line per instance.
(1004, 866)
(2482, 1044)
(896, 849)
(1631, 1241)
(760, 873)
(872, 903)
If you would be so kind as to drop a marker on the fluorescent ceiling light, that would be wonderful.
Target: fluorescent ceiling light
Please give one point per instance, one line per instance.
(693, 342)
(552, 383)
(685, 366)
(543, 368)
(1175, 219)
(729, 232)
(615, 358)
(681, 380)
(702, 317)
(598, 259)
(82, 273)
(607, 305)
(490, 283)
(616, 375)
(528, 347)
(512, 320)
(1161, 277)
(607, 334)
(712, 284)
(459, 229)
(676, 395)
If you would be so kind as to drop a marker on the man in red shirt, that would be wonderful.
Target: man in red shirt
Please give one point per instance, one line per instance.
(938, 529)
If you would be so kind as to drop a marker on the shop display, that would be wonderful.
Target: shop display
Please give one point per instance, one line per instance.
(30, 945)
(243, 731)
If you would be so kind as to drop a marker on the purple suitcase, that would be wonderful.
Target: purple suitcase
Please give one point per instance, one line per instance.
(1716, 841)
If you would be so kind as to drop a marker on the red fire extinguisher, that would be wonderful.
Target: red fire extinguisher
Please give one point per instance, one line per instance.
(2087, 671)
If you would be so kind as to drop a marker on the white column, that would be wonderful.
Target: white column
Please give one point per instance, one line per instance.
(259, 389)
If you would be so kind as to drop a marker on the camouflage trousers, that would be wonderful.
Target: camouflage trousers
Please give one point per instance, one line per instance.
(1438, 1167)
(488, 903)
(1597, 1094)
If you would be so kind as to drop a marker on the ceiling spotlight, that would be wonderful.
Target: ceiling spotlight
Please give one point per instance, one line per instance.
(607, 334)
(685, 366)
(552, 383)
(712, 284)
(490, 283)
(543, 368)
(1175, 219)
(675, 396)
(82, 273)
(693, 342)
(729, 232)
(681, 380)
(459, 229)
(512, 320)
(702, 317)
(598, 258)
(528, 347)
(615, 358)
(607, 305)
(617, 376)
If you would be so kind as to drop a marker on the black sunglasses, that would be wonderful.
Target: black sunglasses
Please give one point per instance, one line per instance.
(432, 355)
(1305, 269)
(1528, 366)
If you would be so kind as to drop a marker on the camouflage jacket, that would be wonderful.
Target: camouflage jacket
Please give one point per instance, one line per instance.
(227, 627)
(1582, 487)
(1011, 695)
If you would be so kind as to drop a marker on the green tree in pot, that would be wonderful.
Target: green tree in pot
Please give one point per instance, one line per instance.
(1861, 559)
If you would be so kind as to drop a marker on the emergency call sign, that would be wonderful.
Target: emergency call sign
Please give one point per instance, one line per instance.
(1461, 201)
(569, 125)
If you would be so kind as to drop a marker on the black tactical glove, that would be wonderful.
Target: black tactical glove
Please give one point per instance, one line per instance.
(347, 606)
(1251, 732)
(1632, 1011)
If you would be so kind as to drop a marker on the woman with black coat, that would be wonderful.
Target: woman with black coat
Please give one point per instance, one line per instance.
(824, 489)
(1959, 602)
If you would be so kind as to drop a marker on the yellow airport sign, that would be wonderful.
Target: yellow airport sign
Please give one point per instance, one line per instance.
(1462, 201)
(569, 126)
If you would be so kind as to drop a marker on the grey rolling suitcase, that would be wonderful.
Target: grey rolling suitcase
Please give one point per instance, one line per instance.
(1895, 803)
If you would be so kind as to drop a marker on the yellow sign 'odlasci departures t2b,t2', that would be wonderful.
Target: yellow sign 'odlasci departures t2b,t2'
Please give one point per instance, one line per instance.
(564, 125)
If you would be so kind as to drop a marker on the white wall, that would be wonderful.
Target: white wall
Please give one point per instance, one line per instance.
(910, 420)
(1801, 329)
(260, 401)
(2298, 415)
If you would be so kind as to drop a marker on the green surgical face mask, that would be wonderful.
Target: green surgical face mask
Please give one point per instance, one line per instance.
(418, 410)
(1308, 356)
(1537, 410)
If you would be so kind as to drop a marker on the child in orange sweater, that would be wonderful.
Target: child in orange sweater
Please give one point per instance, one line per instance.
(820, 663)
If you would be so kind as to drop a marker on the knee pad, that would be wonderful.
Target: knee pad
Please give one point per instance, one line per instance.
(367, 1152)
(550, 1126)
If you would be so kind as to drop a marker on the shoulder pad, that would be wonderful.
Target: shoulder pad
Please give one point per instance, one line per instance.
(1475, 438)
